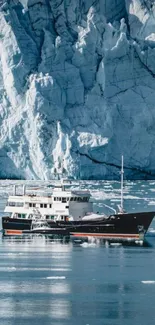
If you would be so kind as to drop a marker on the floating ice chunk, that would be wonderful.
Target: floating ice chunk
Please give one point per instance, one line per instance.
(116, 244)
(55, 277)
(148, 282)
(88, 244)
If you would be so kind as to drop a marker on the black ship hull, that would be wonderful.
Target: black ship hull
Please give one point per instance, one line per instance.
(132, 226)
(50, 231)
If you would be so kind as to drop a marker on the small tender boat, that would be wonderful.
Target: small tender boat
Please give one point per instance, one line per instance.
(41, 226)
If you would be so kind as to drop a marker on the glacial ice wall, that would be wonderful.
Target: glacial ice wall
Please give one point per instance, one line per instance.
(77, 88)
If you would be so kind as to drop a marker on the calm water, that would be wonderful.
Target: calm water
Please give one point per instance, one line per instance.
(57, 282)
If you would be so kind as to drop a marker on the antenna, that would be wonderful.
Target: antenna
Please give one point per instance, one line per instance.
(15, 190)
(24, 189)
(122, 172)
(79, 166)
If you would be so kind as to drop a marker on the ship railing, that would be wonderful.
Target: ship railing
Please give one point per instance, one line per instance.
(112, 209)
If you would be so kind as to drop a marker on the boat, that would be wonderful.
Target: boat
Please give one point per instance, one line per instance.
(41, 226)
(58, 206)
(70, 211)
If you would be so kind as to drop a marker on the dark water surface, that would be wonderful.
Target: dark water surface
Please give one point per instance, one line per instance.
(46, 282)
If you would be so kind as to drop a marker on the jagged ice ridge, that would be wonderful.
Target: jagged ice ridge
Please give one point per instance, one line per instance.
(77, 88)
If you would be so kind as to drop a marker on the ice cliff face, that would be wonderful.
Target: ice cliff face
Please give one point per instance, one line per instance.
(77, 88)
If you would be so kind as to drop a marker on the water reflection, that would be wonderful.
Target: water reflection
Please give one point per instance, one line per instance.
(57, 282)
(34, 279)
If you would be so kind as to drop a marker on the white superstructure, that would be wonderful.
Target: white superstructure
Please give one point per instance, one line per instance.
(61, 204)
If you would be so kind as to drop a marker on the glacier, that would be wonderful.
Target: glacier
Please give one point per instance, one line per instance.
(77, 88)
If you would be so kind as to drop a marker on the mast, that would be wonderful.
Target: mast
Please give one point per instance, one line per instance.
(122, 172)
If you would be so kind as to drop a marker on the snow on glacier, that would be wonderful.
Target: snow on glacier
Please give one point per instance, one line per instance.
(77, 83)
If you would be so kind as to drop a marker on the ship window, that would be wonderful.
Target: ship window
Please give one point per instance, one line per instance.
(15, 204)
(62, 217)
(71, 199)
(23, 215)
(50, 206)
(19, 204)
(19, 215)
(43, 205)
(57, 198)
(49, 217)
(32, 205)
(64, 200)
(11, 204)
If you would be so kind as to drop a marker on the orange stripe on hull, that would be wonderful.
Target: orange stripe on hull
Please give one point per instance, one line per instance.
(136, 236)
(13, 232)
